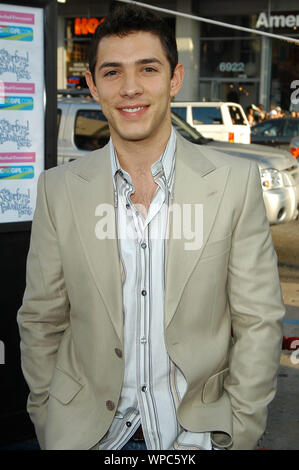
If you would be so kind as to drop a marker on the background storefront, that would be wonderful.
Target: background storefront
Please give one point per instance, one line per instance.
(230, 62)
(77, 21)
(220, 63)
(78, 32)
(248, 68)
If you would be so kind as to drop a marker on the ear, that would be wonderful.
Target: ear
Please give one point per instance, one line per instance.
(177, 80)
(92, 86)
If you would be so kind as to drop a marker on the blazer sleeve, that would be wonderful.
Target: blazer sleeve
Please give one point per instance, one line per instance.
(44, 314)
(257, 311)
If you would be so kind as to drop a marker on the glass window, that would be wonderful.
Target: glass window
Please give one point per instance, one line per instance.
(268, 128)
(76, 63)
(236, 116)
(182, 112)
(187, 131)
(77, 39)
(291, 128)
(212, 30)
(285, 69)
(91, 129)
(206, 115)
(240, 92)
(230, 58)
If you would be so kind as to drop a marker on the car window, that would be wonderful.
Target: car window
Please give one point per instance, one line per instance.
(187, 131)
(206, 115)
(180, 111)
(267, 129)
(91, 129)
(237, 116)
(291, 128)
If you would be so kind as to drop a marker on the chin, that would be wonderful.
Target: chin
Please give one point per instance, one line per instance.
(136, 136)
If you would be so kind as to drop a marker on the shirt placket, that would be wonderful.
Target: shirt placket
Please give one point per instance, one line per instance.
(146, 255)
(143, 340)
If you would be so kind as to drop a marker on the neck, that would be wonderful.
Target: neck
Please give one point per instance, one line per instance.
(138, 156)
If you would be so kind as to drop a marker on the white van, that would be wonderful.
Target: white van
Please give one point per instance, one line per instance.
(222, 121)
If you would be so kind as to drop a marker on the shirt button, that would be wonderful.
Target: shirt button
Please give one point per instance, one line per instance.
(144, 388)
(128, 424)
(143, 245)
(143, 340)
(110, 405)
(143, 292)
(118, 352)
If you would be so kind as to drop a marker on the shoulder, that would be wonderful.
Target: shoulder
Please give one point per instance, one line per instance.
(220, 157)
(93, 163)
(216, 156)
(54, 183)
(204, 159)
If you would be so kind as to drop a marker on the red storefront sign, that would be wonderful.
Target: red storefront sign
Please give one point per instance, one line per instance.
(84, 26)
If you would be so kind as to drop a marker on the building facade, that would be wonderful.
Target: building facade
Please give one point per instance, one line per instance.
(221, 63)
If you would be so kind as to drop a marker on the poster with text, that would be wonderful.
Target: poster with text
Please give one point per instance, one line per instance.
(22, 145)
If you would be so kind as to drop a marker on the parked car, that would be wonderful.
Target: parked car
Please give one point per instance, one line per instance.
(222, 121)
(294, 147)
(82, 127)
(277, 132)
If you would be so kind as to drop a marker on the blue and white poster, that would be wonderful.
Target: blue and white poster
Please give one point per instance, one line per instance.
(21, 110)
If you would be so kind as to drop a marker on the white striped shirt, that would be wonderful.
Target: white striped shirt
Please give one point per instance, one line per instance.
(153, 386)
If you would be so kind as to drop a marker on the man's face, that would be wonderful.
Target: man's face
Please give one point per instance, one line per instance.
(134, 86)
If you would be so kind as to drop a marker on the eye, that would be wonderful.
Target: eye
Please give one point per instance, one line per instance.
(110, 73)
(149, 69)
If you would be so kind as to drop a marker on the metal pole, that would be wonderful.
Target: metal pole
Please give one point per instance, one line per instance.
(218, 23)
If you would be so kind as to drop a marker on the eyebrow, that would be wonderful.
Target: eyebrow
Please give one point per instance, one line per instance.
(150, 60)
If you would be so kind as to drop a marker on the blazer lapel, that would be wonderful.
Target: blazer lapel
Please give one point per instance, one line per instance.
(197, 181)
(91, 194)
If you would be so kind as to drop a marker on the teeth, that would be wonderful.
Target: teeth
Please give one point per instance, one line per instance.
(132, 110)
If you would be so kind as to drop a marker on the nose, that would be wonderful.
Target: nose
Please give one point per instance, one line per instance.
(131, 85)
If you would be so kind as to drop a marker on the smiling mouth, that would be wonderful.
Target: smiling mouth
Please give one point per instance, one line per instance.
(132, 110)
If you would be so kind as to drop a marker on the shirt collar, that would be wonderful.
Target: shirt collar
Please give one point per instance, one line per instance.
(164, 165)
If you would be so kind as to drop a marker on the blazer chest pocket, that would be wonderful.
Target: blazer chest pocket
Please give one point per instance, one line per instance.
(63, 387)
(213, 388)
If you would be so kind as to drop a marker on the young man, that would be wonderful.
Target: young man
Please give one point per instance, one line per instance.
(126, 330)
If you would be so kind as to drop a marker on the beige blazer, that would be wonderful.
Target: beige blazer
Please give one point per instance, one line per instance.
(71, 321)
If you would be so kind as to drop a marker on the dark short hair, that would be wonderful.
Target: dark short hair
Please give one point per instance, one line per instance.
(125, 19)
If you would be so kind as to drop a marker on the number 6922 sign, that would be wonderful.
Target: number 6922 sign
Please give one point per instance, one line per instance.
(231, 66)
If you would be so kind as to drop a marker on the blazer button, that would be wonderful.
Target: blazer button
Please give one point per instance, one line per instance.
(118, 352)
(110, 405)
